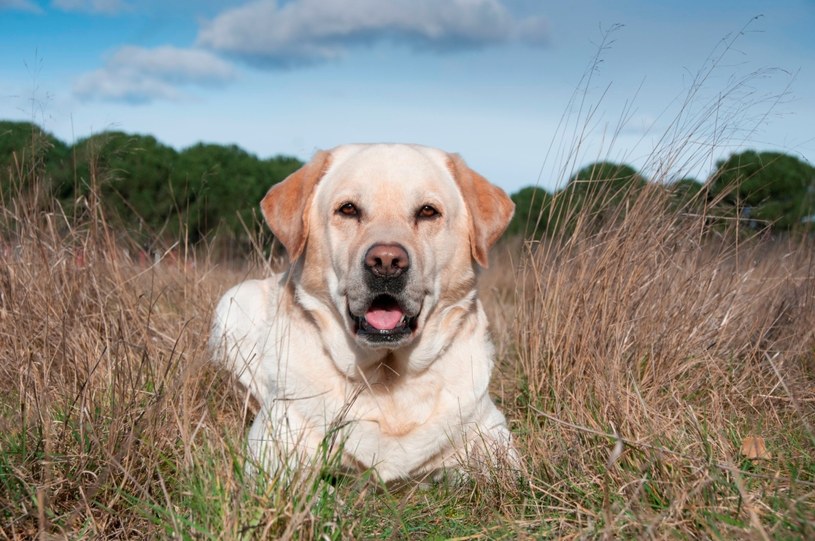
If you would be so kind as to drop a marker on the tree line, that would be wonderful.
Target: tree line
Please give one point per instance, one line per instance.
(208, 190)
(149, 188)
(760, 190)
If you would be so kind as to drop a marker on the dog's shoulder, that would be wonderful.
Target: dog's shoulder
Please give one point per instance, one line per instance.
(243, 319)
(244, 306)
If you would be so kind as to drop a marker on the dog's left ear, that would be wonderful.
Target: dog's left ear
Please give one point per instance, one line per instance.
(490, 208)
(285, 206)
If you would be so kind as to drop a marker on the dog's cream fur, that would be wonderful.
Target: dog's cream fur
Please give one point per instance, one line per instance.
(408, 407)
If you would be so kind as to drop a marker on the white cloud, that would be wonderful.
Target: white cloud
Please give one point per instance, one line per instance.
(20, 5)
(106, 7)
(139, 75)
(266, 32)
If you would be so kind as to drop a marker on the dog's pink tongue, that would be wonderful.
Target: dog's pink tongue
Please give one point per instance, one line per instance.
(384, 319)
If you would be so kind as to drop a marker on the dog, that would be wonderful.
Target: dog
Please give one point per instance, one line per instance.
(372, 346)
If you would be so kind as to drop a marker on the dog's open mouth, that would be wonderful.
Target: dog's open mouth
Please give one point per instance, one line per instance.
(384, 321)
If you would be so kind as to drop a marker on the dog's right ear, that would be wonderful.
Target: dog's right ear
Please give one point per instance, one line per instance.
(285, 206)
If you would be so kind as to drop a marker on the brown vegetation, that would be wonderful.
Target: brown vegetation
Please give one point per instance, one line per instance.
(635, 359)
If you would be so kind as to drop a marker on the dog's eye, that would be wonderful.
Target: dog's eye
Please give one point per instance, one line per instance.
(427, 211)
(348, 209)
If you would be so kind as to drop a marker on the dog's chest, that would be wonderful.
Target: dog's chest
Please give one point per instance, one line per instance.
(399, 427)
(396, 409)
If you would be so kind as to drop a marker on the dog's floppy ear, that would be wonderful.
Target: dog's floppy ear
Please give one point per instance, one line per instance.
(286, 204)
(489, 207)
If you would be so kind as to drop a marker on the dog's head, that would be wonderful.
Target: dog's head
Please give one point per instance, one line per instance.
(386, 235)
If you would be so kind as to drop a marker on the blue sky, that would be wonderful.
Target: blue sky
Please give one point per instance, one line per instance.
(502, 82)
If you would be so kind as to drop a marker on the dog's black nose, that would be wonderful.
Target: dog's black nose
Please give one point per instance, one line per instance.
(387, 260)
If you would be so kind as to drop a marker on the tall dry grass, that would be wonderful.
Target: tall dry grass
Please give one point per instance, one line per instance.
(654, 344)
(636, 354)
(643, 353)
(113, 422)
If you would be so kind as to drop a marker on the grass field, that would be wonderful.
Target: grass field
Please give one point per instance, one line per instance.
(656, 363)
(636, 357)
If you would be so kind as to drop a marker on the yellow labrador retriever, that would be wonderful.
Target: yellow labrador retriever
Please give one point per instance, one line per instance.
(373, 344)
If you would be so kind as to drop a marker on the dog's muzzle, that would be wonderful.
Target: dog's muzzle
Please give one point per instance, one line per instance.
(386, 319)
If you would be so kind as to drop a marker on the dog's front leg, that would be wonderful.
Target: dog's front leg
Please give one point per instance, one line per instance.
(277, 442)
(490, 447)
